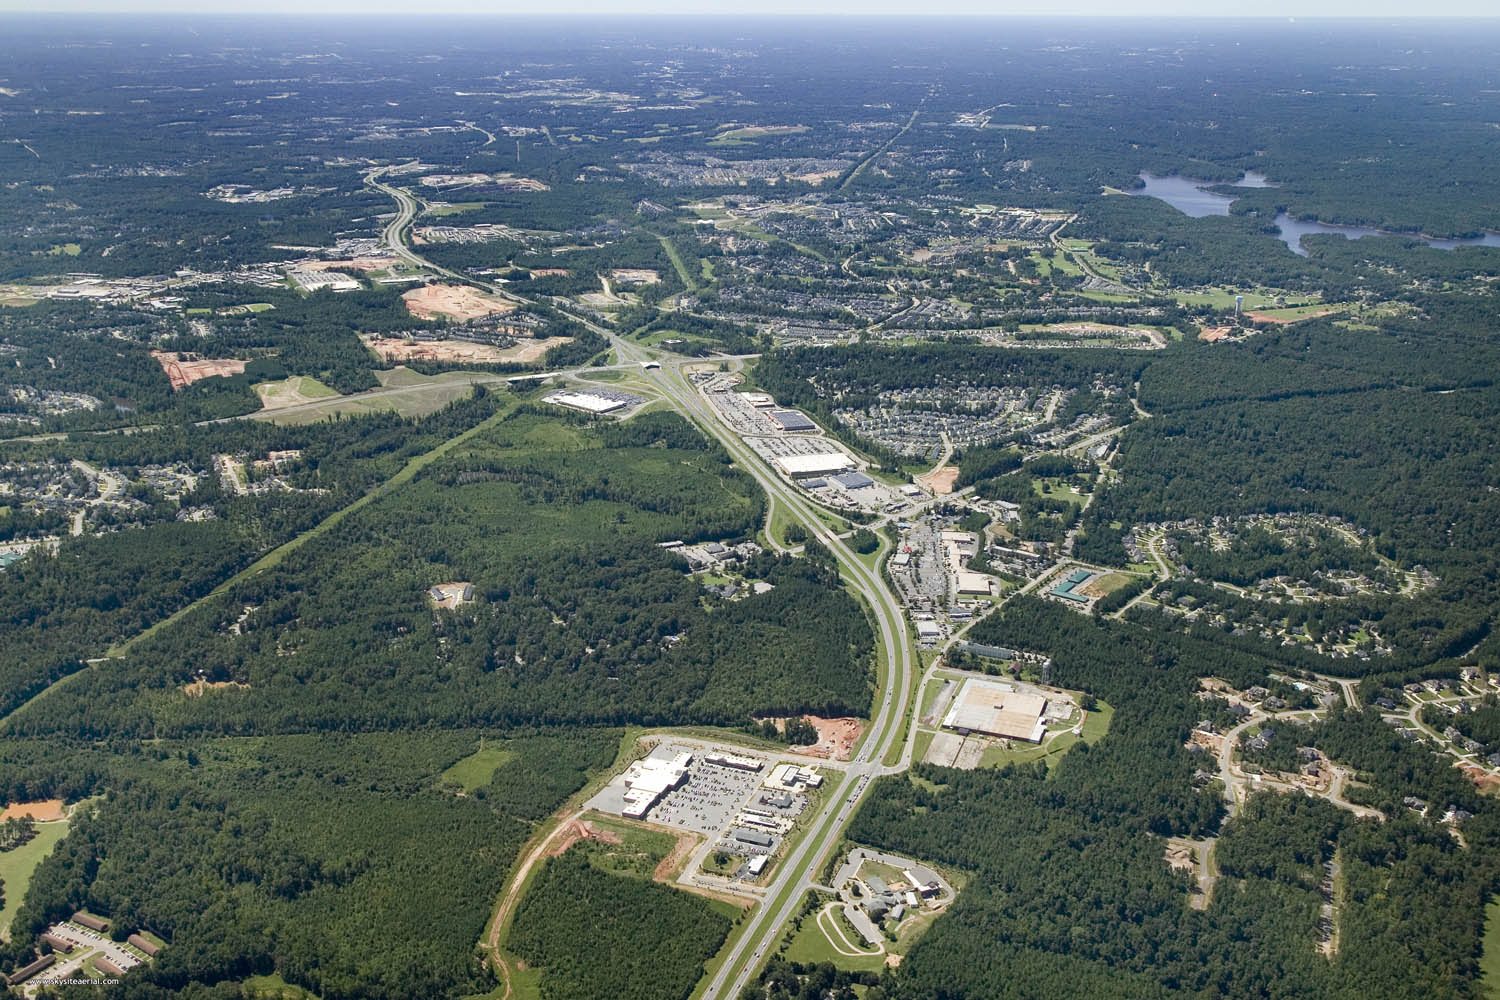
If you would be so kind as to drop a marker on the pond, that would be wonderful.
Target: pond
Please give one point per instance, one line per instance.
(1194, 198)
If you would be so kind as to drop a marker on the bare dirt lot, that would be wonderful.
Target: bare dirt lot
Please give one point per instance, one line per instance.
(183, 370)
(458, 302)
(43, 811)
(357, 264)
(669, 866)
(939, 482)
(580, 829)
(398, 350)
(836, 738)
(1215, 333)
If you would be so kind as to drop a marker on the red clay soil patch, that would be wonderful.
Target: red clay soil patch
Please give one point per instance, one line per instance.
(836, 737)
(357, 264)
(940, 482)
(183, 370)
(1260, 317)
(672, 863)
(44, 811)
(458, 302)
(581, 830)
(398, 350)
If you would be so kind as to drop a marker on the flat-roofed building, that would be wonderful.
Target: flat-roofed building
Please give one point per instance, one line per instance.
(995, 709)
(646, 781)
(754, 838)
(587, 401)
(973, 583)
(738, 761)
(824, 463)
(853, 480)
(792, 420)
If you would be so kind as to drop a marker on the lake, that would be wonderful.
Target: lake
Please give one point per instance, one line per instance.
(1193, 198)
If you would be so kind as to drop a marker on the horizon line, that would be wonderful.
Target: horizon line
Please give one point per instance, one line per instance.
(258, 12)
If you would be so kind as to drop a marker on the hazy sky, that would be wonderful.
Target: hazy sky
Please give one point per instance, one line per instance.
(1157, 8)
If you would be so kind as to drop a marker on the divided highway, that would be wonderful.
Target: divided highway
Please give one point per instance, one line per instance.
(760, 932)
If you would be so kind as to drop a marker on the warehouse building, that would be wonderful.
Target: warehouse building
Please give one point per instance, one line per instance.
(792, 420)
(972, 583)
(588, 402)
(991, 708)
(812, 466)
(854, 480)
(1068, 589)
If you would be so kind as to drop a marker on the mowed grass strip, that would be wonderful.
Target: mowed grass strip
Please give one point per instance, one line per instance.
(17, 867)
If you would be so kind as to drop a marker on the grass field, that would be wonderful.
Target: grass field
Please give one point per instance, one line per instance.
(273, 987)
(17, 866)
(810, 944)
(1223, 298)
(1489, 956)
(475, 771)
(292, 391)
(1094, 727)
(401, 391)
(457, 208)
(678, 264)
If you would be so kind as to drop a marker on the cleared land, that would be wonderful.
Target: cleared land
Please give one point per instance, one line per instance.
(184, 371)
(475, 771)
(17, 866)
(939, 482)
(43, 811)
(401, 391)
(458, 302)
(292, 391)
(393, 349)
(1489, 956)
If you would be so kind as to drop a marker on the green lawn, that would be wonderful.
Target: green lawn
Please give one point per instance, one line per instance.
(810, 944)
(1094, 727)
(17, 866)
(678, 264)
(1489, 956)
(273, 987)
(475, 771)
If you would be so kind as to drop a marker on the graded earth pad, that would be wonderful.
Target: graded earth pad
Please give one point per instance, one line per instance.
(182, 370)
(458, 302)
(399, 350)
(43, 810)
(939, 482)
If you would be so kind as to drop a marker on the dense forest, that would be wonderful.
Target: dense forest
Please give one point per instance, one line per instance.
(601, 936)
(579, 615)
(336, 861)
(1050, 852)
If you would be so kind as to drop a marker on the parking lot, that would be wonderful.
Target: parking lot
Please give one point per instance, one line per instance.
(709, 800)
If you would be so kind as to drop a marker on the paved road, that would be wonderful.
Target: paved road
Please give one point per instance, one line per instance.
(784, 894)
